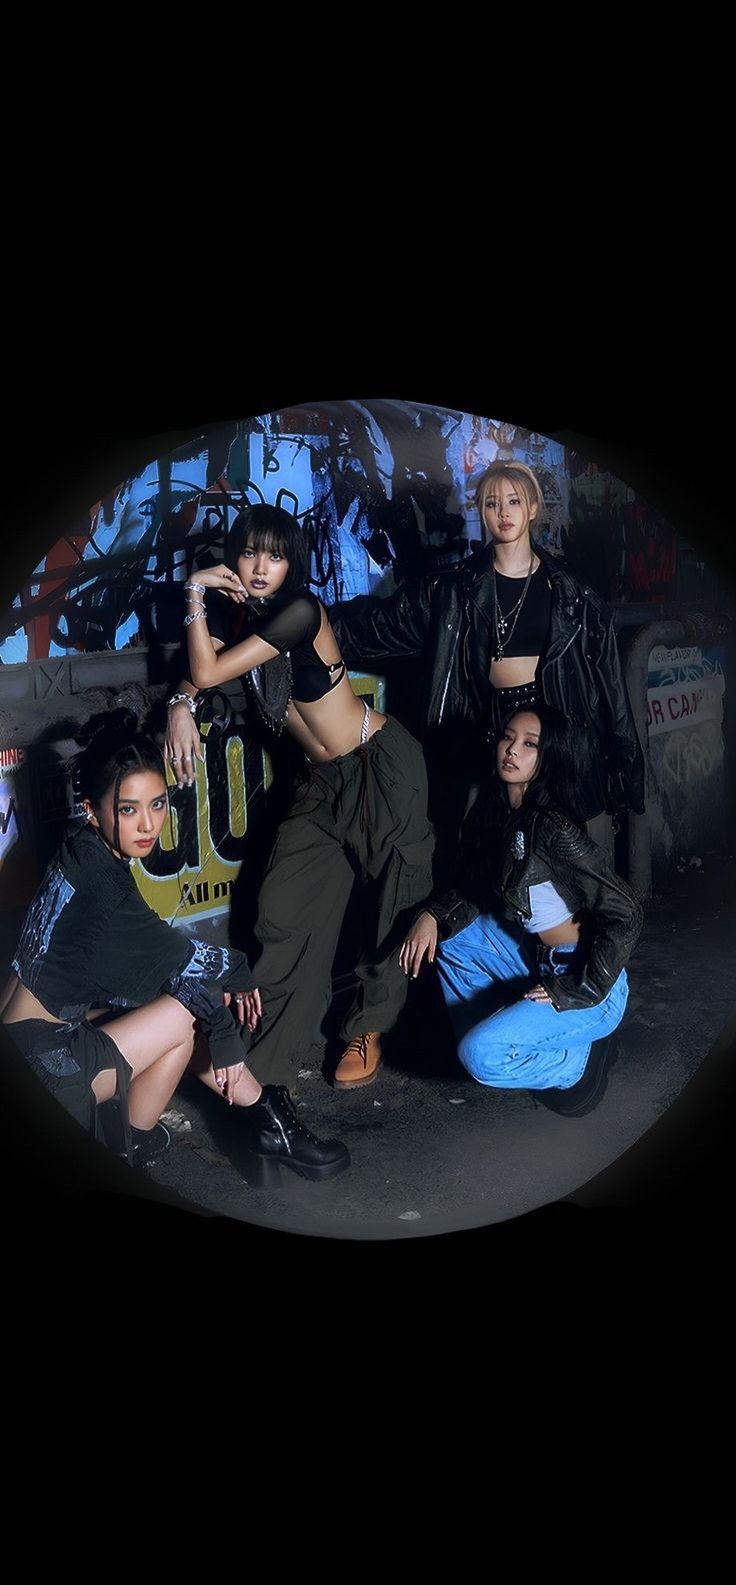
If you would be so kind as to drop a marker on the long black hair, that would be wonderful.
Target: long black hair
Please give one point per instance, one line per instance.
(271, 528)
(491, 822)
(113, 747)
(557, 776)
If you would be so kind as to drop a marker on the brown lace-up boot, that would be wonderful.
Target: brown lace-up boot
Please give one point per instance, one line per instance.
(359, 1062)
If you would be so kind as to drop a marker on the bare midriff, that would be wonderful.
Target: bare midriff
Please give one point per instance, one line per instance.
(22, 1004)
(513, 671)
(327, 727)
(564, 935)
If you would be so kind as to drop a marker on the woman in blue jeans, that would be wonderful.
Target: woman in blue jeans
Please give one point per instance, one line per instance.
(530, 949)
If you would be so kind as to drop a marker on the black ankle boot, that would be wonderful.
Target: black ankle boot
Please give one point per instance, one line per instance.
(147, 1144)
(582, 1097)
(274, 1131)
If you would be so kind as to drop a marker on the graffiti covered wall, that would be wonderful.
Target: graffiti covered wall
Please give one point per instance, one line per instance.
(687, 805)
(384, 491)
(18, 863)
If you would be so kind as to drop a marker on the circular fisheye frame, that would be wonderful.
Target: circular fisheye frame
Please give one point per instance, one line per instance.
(472, 613)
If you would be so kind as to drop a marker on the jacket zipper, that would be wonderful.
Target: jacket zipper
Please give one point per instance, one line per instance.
(449, 669)
(555, 659)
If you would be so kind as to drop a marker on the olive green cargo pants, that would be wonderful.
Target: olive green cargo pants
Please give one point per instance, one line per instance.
(365, 813)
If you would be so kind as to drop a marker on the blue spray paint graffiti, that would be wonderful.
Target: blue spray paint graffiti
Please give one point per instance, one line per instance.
(383, 490)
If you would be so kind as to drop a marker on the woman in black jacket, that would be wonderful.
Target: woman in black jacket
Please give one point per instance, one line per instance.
(507, 628)
(535, 938)
(105, 999)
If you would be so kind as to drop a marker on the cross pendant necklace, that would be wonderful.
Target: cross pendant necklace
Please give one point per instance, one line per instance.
(503, 621)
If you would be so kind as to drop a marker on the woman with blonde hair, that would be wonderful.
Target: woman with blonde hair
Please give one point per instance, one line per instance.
(505, 628)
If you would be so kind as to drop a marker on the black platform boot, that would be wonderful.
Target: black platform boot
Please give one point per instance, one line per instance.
(582, 1097)
(273, 1131)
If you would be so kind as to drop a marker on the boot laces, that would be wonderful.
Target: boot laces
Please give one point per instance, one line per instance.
(292, 1123)
(359, 1043)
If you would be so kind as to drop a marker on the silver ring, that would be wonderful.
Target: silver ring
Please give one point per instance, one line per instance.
(240, 998)
(174, 760)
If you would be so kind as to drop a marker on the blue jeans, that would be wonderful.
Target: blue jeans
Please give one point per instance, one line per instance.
(508, 1042)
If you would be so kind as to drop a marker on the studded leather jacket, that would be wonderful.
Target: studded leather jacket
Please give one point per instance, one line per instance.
(448, 618)
(544, 845)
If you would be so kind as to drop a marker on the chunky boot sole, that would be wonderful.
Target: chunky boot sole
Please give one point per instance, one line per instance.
(276, 1135)
(357, 1084)
(315, 1173)
(568, 1108)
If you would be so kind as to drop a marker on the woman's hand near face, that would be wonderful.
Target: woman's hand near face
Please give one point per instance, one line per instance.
(223, 578)
(421, 940)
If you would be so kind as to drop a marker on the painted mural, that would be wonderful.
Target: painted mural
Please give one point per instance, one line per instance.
(18, 863)
(383, 489)
(192, 872)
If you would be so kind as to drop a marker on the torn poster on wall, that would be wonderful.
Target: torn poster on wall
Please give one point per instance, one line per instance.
(685, 686)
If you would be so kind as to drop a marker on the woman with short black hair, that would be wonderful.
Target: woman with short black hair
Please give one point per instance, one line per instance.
(508, 627)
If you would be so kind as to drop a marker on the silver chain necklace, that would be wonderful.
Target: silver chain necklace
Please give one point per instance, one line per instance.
(506, 622)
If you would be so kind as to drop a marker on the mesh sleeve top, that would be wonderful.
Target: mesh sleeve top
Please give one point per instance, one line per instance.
(290, 626)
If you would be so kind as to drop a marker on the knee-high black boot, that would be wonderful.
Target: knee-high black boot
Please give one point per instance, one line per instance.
(273, 1130)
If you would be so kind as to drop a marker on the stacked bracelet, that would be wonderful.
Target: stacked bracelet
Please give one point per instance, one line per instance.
(200, 588)
(195, 616)
(182, 698)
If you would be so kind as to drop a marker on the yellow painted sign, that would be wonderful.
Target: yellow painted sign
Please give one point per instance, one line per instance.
(192, 871)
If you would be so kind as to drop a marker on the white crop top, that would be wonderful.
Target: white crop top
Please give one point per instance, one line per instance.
(548, 908)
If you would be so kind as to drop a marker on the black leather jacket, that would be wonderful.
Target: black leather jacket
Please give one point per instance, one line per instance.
(544, 845)
(448, 618)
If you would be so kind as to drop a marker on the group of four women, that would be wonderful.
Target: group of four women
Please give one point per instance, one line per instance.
(530, 939)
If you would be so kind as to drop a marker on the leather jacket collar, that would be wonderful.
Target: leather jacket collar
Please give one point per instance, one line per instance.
(479, 602)
(553, 848)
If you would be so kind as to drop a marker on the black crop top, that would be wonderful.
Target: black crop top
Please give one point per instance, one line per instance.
(290, 625)
(532, 626)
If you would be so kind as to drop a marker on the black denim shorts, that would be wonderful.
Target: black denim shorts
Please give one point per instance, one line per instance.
(66, 1058)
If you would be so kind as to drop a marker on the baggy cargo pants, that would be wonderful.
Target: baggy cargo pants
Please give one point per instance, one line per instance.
(365, 813)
